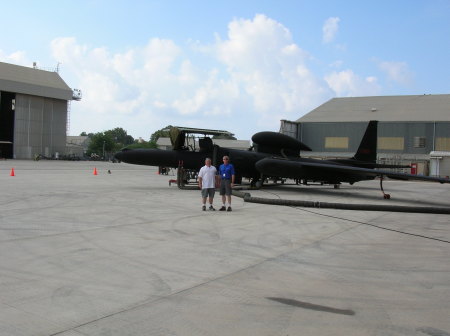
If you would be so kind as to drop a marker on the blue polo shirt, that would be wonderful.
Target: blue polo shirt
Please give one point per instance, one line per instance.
(226, 171)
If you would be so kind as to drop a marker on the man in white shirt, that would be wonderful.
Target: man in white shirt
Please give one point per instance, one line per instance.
(207, 178)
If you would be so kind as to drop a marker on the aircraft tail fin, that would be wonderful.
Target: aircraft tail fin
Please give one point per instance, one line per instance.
(367, 150)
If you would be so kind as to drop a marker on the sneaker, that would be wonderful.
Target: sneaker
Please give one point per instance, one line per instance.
(211, 208)
(222, 208)
(204, 208)
(229, 209)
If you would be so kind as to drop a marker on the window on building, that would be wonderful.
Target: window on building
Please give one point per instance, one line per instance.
(443, 144)
(391, 143)
(419, 142)
(336, 142)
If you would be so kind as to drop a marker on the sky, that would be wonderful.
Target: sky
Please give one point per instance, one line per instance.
(239, 66)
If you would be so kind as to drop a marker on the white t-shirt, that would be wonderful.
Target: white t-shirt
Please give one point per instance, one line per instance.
(208, 175)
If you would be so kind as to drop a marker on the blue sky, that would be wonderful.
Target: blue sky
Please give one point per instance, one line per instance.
(235, 65)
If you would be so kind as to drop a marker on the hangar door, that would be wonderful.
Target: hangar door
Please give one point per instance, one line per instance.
(7, 101)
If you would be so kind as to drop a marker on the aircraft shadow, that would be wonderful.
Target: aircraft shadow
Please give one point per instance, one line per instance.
(312, 306)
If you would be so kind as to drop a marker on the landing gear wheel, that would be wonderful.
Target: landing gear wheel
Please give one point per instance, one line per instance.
(387, 196)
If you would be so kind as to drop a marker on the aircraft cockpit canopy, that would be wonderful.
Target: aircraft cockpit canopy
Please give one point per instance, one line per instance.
(184, 138)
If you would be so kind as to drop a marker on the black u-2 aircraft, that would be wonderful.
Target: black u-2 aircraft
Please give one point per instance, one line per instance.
(273, 155)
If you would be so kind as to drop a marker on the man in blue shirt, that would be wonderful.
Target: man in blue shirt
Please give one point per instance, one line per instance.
(226, 173)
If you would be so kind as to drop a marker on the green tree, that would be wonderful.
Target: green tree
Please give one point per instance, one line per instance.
(162, 133)
(145, 144)
(120, 136)
(90, 135)
(101, 143)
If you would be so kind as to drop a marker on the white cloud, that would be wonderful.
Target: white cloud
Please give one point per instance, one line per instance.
(119, 89)
(397, 72)
(330, 29)
(336, 64)
(244, 82)
(17, 57)
(271, 69)
(255, 76)
(347, 84)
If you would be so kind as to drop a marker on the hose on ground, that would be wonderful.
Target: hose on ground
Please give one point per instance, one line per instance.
(247, 197)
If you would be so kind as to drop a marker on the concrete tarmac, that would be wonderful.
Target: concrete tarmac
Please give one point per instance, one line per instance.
(125, 254)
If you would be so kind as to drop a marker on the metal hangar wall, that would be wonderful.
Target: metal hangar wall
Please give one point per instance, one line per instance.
(33, 112)
(409, 127)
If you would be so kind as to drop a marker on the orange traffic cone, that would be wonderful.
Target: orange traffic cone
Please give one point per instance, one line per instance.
(12, 172)
(95, 171)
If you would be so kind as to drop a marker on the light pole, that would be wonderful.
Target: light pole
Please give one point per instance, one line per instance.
(104, 150)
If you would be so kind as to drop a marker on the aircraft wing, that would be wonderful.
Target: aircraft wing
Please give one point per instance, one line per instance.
(315, 170)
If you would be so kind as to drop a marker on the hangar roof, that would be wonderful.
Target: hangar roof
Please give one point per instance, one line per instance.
(383, 108)
(31, 81)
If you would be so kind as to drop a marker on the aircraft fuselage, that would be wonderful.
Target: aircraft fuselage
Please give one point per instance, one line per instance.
(244, 161)
(248, 164)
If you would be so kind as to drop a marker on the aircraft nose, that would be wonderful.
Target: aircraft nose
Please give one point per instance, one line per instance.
(120, 155)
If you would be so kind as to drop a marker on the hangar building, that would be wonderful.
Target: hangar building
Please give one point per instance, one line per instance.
(33, 112)
(409, 128)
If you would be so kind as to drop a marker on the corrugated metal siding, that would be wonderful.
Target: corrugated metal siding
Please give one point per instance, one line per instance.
(59, 125)
(40, 126)
(289, 128)
(443, 129)
(408, 130)
(445, 167)
(314, 134)
(47, 126)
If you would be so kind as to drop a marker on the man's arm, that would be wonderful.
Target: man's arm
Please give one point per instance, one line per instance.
(232, 175)
(216, 181)
(200, 174)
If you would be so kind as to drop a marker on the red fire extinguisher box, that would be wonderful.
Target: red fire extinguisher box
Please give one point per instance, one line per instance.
(413, 168)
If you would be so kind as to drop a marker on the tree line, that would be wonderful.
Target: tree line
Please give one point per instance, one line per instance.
(105, 143)
(111, 141)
